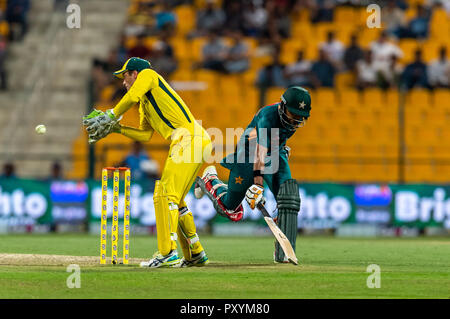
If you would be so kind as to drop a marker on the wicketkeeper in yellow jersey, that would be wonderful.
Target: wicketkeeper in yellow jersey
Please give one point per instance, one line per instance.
(163, 111)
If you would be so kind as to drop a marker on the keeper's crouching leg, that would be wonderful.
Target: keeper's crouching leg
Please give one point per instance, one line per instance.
(166, 220)
(187, 234)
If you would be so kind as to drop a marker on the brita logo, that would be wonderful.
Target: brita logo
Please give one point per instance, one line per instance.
(410, 207)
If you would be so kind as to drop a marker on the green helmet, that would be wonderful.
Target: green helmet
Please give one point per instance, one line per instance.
(298, 102)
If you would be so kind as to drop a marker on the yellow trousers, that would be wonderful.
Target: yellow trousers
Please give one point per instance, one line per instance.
(188, 151)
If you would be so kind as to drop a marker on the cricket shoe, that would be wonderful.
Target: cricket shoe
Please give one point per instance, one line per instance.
(198, 260)
(204, 185)
(159, 261)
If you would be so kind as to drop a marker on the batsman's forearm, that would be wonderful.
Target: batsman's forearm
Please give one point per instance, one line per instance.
(136, 134)
(124, 105)
(261, 153)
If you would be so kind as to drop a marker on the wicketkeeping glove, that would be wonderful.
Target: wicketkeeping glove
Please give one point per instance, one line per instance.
(255, 195)
(97, 135)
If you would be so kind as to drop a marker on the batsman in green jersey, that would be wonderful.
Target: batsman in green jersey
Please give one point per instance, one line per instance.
(262, 156)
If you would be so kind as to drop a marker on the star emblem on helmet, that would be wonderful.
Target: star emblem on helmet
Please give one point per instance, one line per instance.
(302, 105)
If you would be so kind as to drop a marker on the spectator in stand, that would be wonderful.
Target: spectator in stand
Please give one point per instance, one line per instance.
(390, 77)
(3, 54)
(402, 4)
(272, 75)
(418, 27)
(267, 46)
(299, 72)
(140, 164)
(255, 18)
(214, 54)
(415, 74)
(352, 54)
(237, 60)
(9, 170)
(60, 5)
(444, 4)
(439, 70)
(112, 63)
(140, 49)
(210, 19)
(322, 71)
(393, 19)
(16, 15)
(99, 77)
(383, 50)
(134, 27)
(56, 172)
(122, 51)
(162, 58)
(366, 72)
(282, 21)
(119, 91)
(334, 49)
(165, 18)
(322, 11)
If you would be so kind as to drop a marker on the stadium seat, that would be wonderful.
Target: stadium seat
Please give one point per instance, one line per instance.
(349, 98)
(366, 35)
(372, 98)
(321, 29)
(324, 98)
(439, 24)
(274, 95)
(408, 46)
(186, 14)
(344, 80)
(392, 100)
(418, 99)
(343, 15)
(196, 49)
(418, 173)
(182, 48)
(441, 173)
(182, 74)
(301, 31)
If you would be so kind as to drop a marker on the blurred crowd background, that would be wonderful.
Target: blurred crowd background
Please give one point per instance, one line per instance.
(381, 98)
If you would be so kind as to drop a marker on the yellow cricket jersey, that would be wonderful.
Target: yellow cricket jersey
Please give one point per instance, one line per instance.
(161, 109)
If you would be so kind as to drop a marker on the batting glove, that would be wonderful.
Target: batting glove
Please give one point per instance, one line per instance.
(255, 195)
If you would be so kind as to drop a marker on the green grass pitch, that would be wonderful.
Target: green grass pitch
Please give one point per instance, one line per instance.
(240, 268)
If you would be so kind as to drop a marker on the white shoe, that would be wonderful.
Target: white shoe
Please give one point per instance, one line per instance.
(158, 261)
(210, 170)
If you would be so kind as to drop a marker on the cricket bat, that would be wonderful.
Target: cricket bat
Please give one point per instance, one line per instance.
(281, 238)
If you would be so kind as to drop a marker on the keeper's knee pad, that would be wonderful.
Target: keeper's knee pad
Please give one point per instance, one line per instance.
(288, 202)
(166, 214)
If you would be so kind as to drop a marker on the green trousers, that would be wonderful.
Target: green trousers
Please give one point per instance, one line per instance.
(241, 178)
